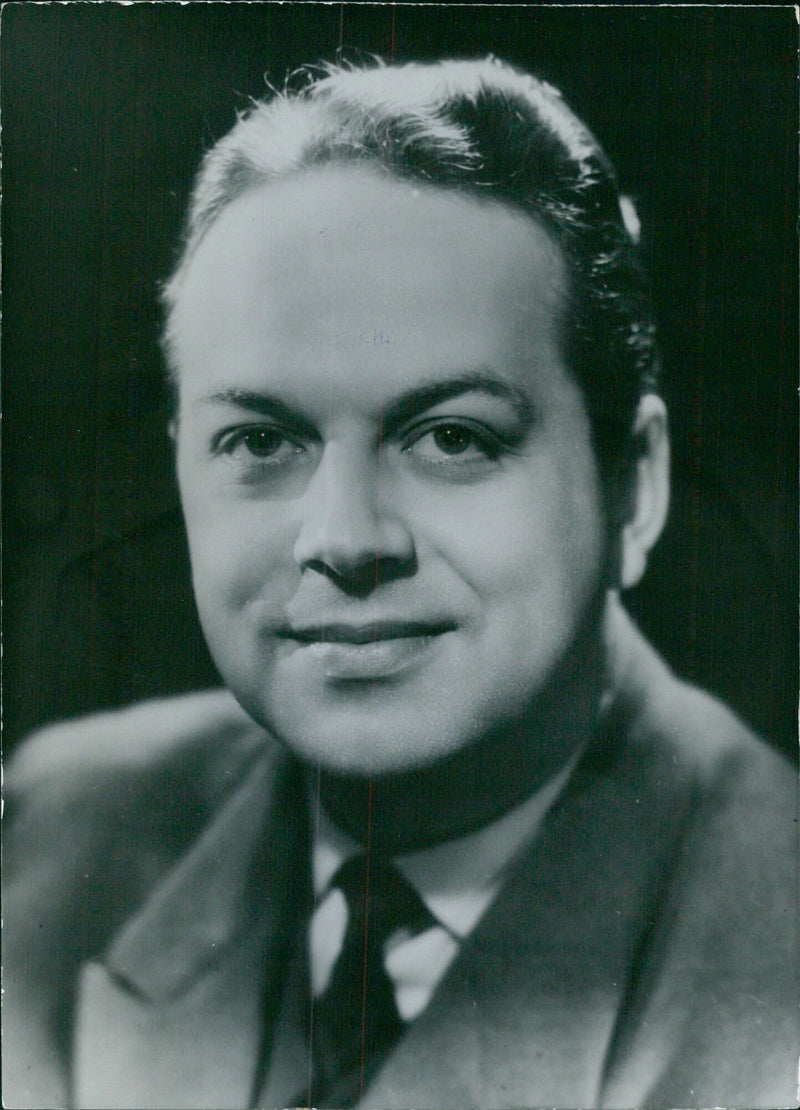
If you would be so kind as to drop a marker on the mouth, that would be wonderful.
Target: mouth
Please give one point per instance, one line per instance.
(366, 652)
(363, 634)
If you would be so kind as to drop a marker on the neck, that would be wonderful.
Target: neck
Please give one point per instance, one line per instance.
(394, 814)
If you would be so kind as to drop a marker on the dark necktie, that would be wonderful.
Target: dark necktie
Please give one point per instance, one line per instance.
(356, 1021)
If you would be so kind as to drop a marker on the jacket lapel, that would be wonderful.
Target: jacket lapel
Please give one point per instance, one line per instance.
(174, 1014)
(529, 1011)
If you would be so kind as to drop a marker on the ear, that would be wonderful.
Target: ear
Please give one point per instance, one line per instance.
(649, 496)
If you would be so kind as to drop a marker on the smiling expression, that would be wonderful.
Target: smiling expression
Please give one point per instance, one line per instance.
(392, 503)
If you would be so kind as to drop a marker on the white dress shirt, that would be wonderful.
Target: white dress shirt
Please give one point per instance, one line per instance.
(457, 881)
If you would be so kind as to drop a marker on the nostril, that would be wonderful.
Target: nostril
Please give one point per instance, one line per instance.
(360, 580)
(351, 549)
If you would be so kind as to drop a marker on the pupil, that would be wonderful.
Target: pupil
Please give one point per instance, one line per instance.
(451, 439)
(263, 442)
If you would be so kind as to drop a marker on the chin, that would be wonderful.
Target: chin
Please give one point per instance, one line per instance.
(360, 749)
(357, 757)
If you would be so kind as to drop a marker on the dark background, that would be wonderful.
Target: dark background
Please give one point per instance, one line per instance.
(106, 110)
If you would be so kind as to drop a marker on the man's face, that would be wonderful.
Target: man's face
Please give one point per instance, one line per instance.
(391, 498)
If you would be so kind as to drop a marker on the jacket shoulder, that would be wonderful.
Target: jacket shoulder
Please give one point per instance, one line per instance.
(142, 741)
(713, 993)
(683, 734)
(100, 806)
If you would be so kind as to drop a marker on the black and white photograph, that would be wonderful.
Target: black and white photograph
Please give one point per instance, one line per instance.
(400, 532)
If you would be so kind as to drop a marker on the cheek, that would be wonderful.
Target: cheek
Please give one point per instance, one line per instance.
(239, 551)
(539, 529)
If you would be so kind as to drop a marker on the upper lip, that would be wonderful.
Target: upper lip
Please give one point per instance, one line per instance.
(339, 632)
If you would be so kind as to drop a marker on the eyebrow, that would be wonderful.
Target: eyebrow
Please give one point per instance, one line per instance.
(423, 397)
(406, 406)
(262, 403)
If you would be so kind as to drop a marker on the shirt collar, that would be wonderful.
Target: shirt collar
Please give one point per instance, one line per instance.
(458, 879)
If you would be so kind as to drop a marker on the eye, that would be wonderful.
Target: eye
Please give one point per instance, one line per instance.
(453, 441)
(257, 443)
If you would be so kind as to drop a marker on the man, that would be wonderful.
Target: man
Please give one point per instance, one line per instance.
(454, 836)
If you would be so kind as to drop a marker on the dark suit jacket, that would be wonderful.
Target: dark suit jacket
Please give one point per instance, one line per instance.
(642, 953)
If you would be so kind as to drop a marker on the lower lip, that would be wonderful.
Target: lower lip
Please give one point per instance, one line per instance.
(376, 659)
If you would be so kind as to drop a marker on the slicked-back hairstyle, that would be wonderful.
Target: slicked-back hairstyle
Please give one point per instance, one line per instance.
(485, 129)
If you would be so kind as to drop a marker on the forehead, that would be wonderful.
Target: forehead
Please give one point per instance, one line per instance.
(338, 268)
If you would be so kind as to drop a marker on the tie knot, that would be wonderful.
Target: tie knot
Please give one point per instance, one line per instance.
(380, 900)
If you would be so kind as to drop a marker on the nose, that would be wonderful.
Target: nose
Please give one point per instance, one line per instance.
(347, 531)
